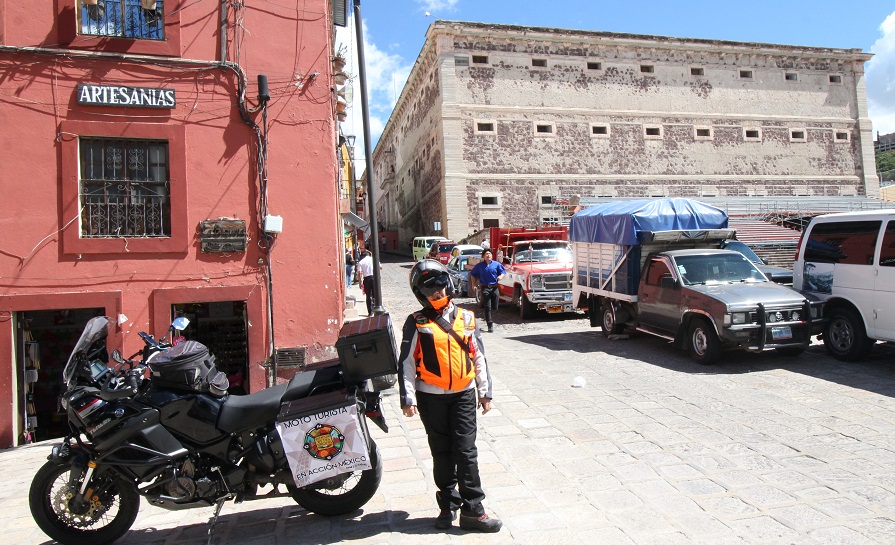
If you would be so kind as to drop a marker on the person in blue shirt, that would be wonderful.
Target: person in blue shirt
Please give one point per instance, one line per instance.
(487, 272)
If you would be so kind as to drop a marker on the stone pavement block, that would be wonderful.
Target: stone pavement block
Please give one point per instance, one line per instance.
(703, 527)
(536, 521)
(836, 535)
(700, 487)
(728, 507)
(614, 501)
(765, 529)
(637, 471)
(800, 516)
(679, 472)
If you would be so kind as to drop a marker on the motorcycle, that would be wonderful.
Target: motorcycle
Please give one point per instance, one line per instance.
(137, 432)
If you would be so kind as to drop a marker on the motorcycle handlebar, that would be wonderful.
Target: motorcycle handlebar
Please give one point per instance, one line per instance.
(131, 387)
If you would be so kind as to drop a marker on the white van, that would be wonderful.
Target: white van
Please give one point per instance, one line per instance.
(421, 246)
(848, 260)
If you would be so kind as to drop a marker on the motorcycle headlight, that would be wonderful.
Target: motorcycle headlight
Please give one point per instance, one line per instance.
(536, 282)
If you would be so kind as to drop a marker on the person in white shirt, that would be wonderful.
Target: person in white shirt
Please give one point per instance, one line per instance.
(365, 272)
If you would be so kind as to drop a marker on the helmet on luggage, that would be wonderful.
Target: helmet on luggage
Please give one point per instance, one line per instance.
(427, 277)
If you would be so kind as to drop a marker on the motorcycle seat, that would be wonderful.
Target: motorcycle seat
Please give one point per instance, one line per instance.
(240, 413)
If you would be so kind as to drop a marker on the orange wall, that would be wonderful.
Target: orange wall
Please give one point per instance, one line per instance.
(213, 174)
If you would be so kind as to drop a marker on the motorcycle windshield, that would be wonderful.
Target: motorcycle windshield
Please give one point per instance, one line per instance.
(96, 329)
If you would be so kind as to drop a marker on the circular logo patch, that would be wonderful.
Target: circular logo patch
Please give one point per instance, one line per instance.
(324, 442)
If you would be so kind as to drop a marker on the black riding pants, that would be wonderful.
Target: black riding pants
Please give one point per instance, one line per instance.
(450, 423)
(490, 298)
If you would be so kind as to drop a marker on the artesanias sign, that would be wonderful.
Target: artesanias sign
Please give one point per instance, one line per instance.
(119, 95)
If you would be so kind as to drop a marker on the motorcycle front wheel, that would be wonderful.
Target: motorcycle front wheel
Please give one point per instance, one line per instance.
(110, 512)
(341, 494)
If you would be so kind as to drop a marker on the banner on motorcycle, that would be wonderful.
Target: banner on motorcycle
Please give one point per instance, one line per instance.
(324, 444)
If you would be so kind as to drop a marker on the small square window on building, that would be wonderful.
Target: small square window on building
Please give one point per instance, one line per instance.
(797, 135)
(599, 130)
(539, 63)
(480, 59)
(647, 69)
(546, 200)
(485, 127)
(591, 65)
(792, 76)
(842, 136)
(835, 78)
(697, 71)
(544, 129)
(652, 131)
(461, 60)
(745, 74)
(702, 133)
(489, 200)
(752, 133)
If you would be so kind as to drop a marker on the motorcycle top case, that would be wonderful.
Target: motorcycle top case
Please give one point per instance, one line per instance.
(188, 366)
(367, 349)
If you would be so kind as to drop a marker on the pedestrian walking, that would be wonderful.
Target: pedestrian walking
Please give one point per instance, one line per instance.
(365, 273)
(488, 272)
(444, 379)
(349, 267)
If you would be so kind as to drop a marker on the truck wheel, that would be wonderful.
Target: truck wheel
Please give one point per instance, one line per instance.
(526, 309)
(704, 345)
(479, 300)
(845, 337)
(610, 327)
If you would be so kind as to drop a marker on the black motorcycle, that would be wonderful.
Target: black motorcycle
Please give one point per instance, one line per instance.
(160, 425)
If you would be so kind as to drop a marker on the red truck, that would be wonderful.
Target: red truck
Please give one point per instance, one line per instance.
(502, 239)
(539, 267)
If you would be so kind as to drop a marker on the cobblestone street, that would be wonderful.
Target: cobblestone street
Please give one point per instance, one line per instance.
(652, 449)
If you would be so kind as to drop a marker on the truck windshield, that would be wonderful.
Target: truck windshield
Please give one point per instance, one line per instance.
(544, 255)
(717, 269)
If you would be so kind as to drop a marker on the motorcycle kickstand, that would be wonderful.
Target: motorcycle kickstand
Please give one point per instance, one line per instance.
(214, 518)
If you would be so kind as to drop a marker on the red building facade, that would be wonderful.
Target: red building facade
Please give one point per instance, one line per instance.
(165, 158)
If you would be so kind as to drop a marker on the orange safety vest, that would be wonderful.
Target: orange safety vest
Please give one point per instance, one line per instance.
(440, 360)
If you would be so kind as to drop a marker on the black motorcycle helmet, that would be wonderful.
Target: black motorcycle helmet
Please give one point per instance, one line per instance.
(427, 277)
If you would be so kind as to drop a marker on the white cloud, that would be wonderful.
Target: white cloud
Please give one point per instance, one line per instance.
(881, 79)
(386, 74)
(437, 5)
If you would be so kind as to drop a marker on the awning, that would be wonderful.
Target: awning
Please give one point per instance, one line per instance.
(354, 219)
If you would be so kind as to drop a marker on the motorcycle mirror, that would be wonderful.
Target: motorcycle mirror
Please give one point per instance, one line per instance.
(116, 356)
(180, 323)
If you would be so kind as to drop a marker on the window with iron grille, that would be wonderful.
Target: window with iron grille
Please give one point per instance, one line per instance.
(124, 190)
(139, 19)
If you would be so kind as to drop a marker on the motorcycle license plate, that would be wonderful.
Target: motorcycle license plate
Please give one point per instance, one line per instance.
(781, 333)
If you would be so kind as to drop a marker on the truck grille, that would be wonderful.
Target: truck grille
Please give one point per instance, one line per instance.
(558, 281)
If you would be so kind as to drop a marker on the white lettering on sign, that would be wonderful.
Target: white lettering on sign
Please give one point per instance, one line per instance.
(140, 97)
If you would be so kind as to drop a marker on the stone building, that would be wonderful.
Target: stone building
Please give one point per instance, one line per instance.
(498, 124)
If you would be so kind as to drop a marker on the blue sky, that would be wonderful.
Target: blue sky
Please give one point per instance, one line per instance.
(394, 32)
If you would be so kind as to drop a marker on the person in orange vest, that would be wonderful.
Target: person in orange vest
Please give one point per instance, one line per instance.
(444, 379)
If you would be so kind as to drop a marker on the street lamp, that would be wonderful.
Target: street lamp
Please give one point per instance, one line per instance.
(368, 154)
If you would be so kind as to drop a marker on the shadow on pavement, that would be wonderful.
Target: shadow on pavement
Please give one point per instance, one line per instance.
(876, 373)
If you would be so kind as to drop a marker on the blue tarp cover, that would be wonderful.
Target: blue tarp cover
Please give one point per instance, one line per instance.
(620, 222)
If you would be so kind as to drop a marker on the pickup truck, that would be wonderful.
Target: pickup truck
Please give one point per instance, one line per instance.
(656, 266)
(539, 277)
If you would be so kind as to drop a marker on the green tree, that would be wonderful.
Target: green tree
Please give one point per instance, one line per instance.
(885, 161)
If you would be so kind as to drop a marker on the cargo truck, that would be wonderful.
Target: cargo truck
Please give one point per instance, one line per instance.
(656, 266)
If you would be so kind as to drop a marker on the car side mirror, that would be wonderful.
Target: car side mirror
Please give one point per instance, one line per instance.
(668, 281)
(764, 260)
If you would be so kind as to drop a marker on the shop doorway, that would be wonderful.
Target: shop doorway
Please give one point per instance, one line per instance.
(45, 339)
(222, 326)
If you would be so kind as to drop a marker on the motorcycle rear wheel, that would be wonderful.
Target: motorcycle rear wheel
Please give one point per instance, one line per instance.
(353, 494)
(114, 512)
